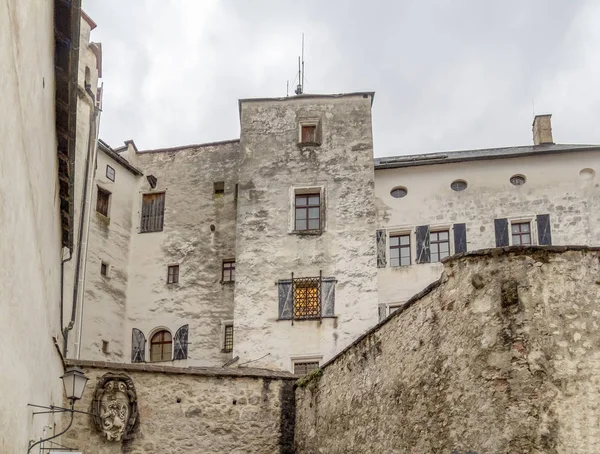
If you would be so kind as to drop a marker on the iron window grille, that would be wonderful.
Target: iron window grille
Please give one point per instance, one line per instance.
(173, 274)
(521, 233)
(399, 250)
(228, 339)
(305, 367)
(308, 212)
(439, 245)
(228, 271)
(307, 297)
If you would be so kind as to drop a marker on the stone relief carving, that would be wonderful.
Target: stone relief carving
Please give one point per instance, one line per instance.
(114, 407)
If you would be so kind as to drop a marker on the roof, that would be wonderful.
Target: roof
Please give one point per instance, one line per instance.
(117, 157)
(392, 162)
(185, 147)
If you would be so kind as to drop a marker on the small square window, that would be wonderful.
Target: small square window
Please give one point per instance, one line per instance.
(521, 233)
(309, 133)
(102, 202)
(173, 274)
(400, 250)
(104, 269)
(305, 367)
(228, 271)
(228, 339)
(219, 188)
(110, 173)
(440, 245)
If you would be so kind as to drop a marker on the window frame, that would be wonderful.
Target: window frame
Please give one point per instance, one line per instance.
(520, 234)
(162, 222)
(306, 208)
(310, 122)
(173, 278)
(218, 189)
(307, 306)
(162, 343)
(103, 192)
(306, 190)
(437, 231)
(230, 270)
(114, 173)
(305, 359)
(398, 234)
(226, 326)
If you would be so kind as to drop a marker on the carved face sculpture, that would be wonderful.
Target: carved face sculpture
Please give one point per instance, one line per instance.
(114, 410)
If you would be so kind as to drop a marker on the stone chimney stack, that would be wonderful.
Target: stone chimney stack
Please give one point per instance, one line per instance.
(542, 129)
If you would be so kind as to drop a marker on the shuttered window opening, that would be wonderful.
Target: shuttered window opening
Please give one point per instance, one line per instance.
(305, 367)
(544, 231)
(521, 233)
(400, 250)
(153, 211)
(439, 244)
(228, 339)
(306, 298)
(102, 202)
(138, 346)
(161, 346)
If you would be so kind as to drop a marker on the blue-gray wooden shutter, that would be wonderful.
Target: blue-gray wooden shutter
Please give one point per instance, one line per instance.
(382, 311)
(423, 251)
(328, 296)
(138, 346)
(286, 299)
(181, 343)
(381, 248)
(543, 228)
(460, 238)
(501, 228)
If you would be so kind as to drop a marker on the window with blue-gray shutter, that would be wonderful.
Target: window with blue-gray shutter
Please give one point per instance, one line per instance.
(543, 228)
(423, 250)
(138, 346)
(328, 296)
(180, 350)
(501, 231)
(286, 299)
(306, 298)
(460, 238)
(381, 248)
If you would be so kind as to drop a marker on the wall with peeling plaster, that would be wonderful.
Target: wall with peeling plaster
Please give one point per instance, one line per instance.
(500, 355)
(553, 186)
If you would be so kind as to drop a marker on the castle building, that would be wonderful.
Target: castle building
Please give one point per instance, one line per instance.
(278, 249)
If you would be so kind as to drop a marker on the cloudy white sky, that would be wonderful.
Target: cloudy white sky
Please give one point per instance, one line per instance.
(448, 74)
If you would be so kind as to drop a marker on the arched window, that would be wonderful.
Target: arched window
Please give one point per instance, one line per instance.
(161, 346)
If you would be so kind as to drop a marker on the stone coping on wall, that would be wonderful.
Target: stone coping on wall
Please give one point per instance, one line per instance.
(199, 371)
(489, 252)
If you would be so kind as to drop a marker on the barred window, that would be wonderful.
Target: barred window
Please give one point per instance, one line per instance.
(305, 367)
(439, 245)
(173, 274)
(307, 297)
(153, 211)
(228, 272)
(399, 250)
(161, 346)
(308, 212)
(228, 339)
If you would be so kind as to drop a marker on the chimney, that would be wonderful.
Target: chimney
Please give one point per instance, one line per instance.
(542, 129)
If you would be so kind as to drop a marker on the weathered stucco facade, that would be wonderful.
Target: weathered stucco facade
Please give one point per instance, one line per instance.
(500, 355)
(195, 410)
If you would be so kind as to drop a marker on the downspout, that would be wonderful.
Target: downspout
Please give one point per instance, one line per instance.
(62, 291)
(92, 131)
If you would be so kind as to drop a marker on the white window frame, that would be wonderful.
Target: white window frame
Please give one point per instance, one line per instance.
(312, 358)
(532, 219)
(395, 306)
(433, 228)
(299, 190)
(413, 247)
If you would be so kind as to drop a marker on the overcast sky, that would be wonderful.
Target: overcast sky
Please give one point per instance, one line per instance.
(454, 74)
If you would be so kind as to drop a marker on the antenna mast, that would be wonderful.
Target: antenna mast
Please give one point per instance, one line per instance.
(300, 88)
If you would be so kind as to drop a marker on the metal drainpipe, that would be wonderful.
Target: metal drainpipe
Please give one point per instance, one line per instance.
(62, 290)
(93, 114)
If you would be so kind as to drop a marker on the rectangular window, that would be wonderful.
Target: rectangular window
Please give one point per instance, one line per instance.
(307, 297)
(153, 211)
(219, 189)
(102, 202)
(228, 273)
(308, 212)
(228, 339)
(521, 233)
(309, 133)
(305, 367)
(104, 269)
(110, 173)
(104, 346)
(439, 245)
(173, 274)
(400, 250)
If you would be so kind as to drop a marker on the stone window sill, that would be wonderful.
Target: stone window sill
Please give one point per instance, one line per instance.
(308, 144)
(308, 319)
(227, 282)
(307, 232)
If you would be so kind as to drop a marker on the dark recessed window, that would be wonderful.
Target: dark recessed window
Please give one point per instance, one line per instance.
(458, 185)
(104, 346)
(228, 273)
(173, 274)
(308, 211)
(439, 243)
(517, 180)
(228, 339)
(521, 233)
(309, 133)
(305, 367)
(104, 269)
(399, 250)
(161, 346)
(110, 173)
(219, 188)
(399, 192)
(153, 212)
(102, 202)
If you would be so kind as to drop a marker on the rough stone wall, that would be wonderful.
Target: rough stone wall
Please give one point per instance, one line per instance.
(554, 185)
(501, 355)
(195, 411)
(187, 176)
(109, 242)
(272, 165)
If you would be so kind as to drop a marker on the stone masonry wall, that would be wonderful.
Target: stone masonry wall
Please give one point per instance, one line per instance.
(500, 355)
(194, 411)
